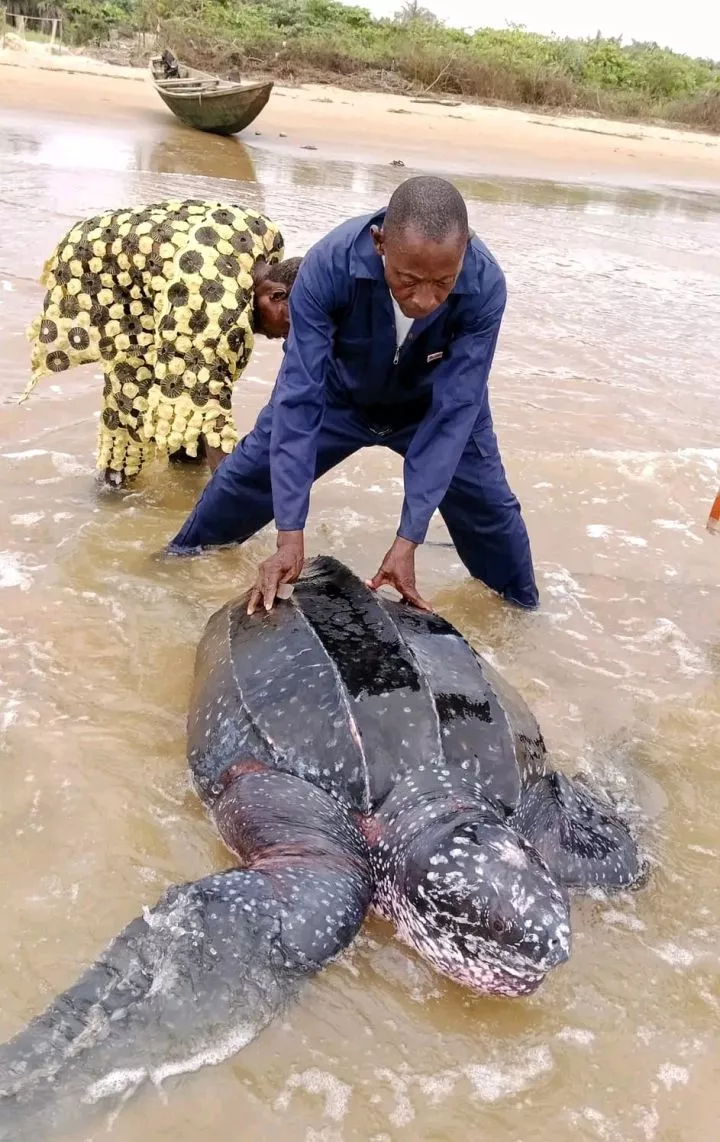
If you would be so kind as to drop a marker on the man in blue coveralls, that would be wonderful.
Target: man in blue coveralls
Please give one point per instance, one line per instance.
(394, 320)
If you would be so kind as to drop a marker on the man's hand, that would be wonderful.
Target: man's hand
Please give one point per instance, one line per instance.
(398, 570)
(282, 567)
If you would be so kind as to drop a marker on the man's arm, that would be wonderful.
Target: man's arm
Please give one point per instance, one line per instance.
(299, 398)
(298, 405)
(459, 395)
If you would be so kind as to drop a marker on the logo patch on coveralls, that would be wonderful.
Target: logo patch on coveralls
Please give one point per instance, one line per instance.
(435, 357)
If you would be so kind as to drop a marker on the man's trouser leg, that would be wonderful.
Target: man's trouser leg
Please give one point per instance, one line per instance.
(484, 519)
(237, 502)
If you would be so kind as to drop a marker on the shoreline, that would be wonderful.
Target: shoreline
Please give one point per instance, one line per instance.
(374, 127)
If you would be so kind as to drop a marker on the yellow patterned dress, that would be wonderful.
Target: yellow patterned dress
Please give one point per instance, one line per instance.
(163, 296)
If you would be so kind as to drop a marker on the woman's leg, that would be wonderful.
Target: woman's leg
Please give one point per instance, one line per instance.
(206, 454)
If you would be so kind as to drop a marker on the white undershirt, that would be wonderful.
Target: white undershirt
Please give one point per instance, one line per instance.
(403, 324)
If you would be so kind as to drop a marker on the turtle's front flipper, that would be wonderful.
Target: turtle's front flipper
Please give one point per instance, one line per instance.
(204, 971)
(578, 835)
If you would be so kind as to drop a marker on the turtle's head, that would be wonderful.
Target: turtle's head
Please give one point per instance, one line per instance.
(477, 901)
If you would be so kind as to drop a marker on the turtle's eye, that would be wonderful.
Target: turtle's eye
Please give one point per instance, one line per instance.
(504, 930)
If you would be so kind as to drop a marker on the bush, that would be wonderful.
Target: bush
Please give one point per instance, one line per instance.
(324, 38)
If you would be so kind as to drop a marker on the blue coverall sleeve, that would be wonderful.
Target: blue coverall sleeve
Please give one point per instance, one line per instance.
(299, 397)
(459, 395)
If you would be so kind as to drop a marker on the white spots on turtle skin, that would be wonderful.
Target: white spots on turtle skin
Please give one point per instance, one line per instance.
(509, 853)
(463, 889)
(469, 882)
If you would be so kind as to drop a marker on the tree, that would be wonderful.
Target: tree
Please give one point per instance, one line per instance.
(33, 8)
(413, 12)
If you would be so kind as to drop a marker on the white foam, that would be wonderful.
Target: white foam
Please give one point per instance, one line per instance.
(12, 572)
(649, 1121)
(127, 1079)
(598, 530)
(634, 541)
(561, 584)
(601, 1124)
(314, 1081)
(9, 713)
(114, 1083)
(438, 1087)
(29, 454)
(624, 919)
(225, 1048)
(403, 1113)
(493, 1083)
(67, 465)
(625, 454)
(677, 957)
(671, 1075)
(324, 1134)
(578, 1035)
(691, 660)
(29, 519)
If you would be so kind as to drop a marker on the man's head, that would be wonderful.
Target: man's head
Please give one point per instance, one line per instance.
(272, 292)
(423, 241)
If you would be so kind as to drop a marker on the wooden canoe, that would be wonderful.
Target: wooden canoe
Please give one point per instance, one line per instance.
(205, 102)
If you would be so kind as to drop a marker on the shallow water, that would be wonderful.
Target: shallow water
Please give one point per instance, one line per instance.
(605, 401)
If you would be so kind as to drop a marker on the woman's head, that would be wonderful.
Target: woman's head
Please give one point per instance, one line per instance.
(273, 284)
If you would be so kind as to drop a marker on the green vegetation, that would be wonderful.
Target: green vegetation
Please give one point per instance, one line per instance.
(323, 39)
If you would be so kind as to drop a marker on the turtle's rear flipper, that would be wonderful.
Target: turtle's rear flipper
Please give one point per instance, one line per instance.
(195, 979)
(578, 835)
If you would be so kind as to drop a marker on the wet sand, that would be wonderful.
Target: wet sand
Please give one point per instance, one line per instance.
(605, 401)
(372, 127)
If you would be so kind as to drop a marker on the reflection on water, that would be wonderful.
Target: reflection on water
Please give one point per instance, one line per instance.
(167, 147)
(605, 398)
(183, 151)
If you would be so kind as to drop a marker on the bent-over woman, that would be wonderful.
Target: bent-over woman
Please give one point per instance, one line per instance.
(168, 297)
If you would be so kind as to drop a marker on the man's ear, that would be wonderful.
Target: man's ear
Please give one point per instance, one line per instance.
(378, 237)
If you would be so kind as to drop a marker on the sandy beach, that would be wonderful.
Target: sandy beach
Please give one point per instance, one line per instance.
(375, 127)
(604, 400)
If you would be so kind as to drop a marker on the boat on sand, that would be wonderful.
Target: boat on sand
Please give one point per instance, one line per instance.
(204, 101)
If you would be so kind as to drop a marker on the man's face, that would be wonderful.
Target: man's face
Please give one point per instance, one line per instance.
(420, 274)
(272, 313)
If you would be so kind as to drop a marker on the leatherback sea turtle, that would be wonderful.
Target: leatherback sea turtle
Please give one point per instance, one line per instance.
(352, 752)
